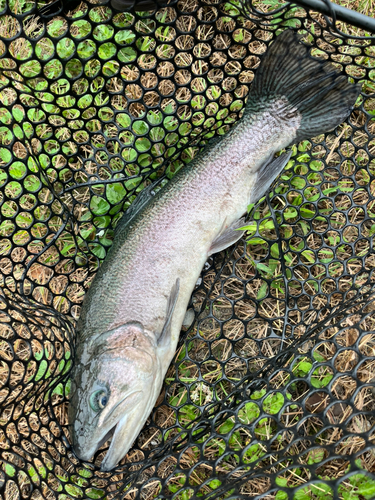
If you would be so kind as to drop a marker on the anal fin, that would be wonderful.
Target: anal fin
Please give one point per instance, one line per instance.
(267, 174)
(227, 237)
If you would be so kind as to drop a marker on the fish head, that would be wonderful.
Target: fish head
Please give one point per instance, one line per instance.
(115, 382)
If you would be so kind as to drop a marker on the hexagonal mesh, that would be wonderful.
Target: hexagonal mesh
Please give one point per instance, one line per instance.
(270, 394)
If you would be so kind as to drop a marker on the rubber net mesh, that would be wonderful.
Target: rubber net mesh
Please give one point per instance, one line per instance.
(270, 394)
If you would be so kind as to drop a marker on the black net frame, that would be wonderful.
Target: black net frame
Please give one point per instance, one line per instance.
(270, 394)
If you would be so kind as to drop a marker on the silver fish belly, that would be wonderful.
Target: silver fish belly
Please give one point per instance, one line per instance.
(132, 314)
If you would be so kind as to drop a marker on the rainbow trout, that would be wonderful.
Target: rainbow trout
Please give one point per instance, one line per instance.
(133, 312)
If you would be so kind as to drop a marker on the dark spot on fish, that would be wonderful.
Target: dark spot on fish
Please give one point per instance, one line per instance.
(133, 340)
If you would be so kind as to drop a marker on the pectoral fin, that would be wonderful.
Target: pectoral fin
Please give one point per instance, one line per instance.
(165, 334)
(227, 237)
(267, 174)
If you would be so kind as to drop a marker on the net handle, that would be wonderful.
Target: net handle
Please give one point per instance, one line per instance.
(341, 13)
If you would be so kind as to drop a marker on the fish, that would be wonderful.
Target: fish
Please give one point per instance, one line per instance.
(132, 314)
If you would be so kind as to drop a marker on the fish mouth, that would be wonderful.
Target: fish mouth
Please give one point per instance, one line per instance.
(111, 435)
(122, 436)
(108, 436)
(83, 450)
(87, 454)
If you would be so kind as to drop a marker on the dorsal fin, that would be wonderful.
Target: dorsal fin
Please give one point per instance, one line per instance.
(138, 204)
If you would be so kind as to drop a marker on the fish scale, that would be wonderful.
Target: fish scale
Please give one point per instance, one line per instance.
(178, 222)
(133, 312)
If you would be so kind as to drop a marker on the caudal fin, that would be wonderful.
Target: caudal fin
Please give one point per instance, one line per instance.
(322, 96)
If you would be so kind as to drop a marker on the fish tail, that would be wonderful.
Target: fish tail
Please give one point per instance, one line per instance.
(315, 90)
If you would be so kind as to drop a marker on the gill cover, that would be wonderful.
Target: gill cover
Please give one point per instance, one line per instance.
(112, 383)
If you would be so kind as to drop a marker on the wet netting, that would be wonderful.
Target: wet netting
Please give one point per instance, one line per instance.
(271, 392)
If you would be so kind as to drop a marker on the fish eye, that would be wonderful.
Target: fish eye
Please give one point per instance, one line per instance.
(98, 400)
